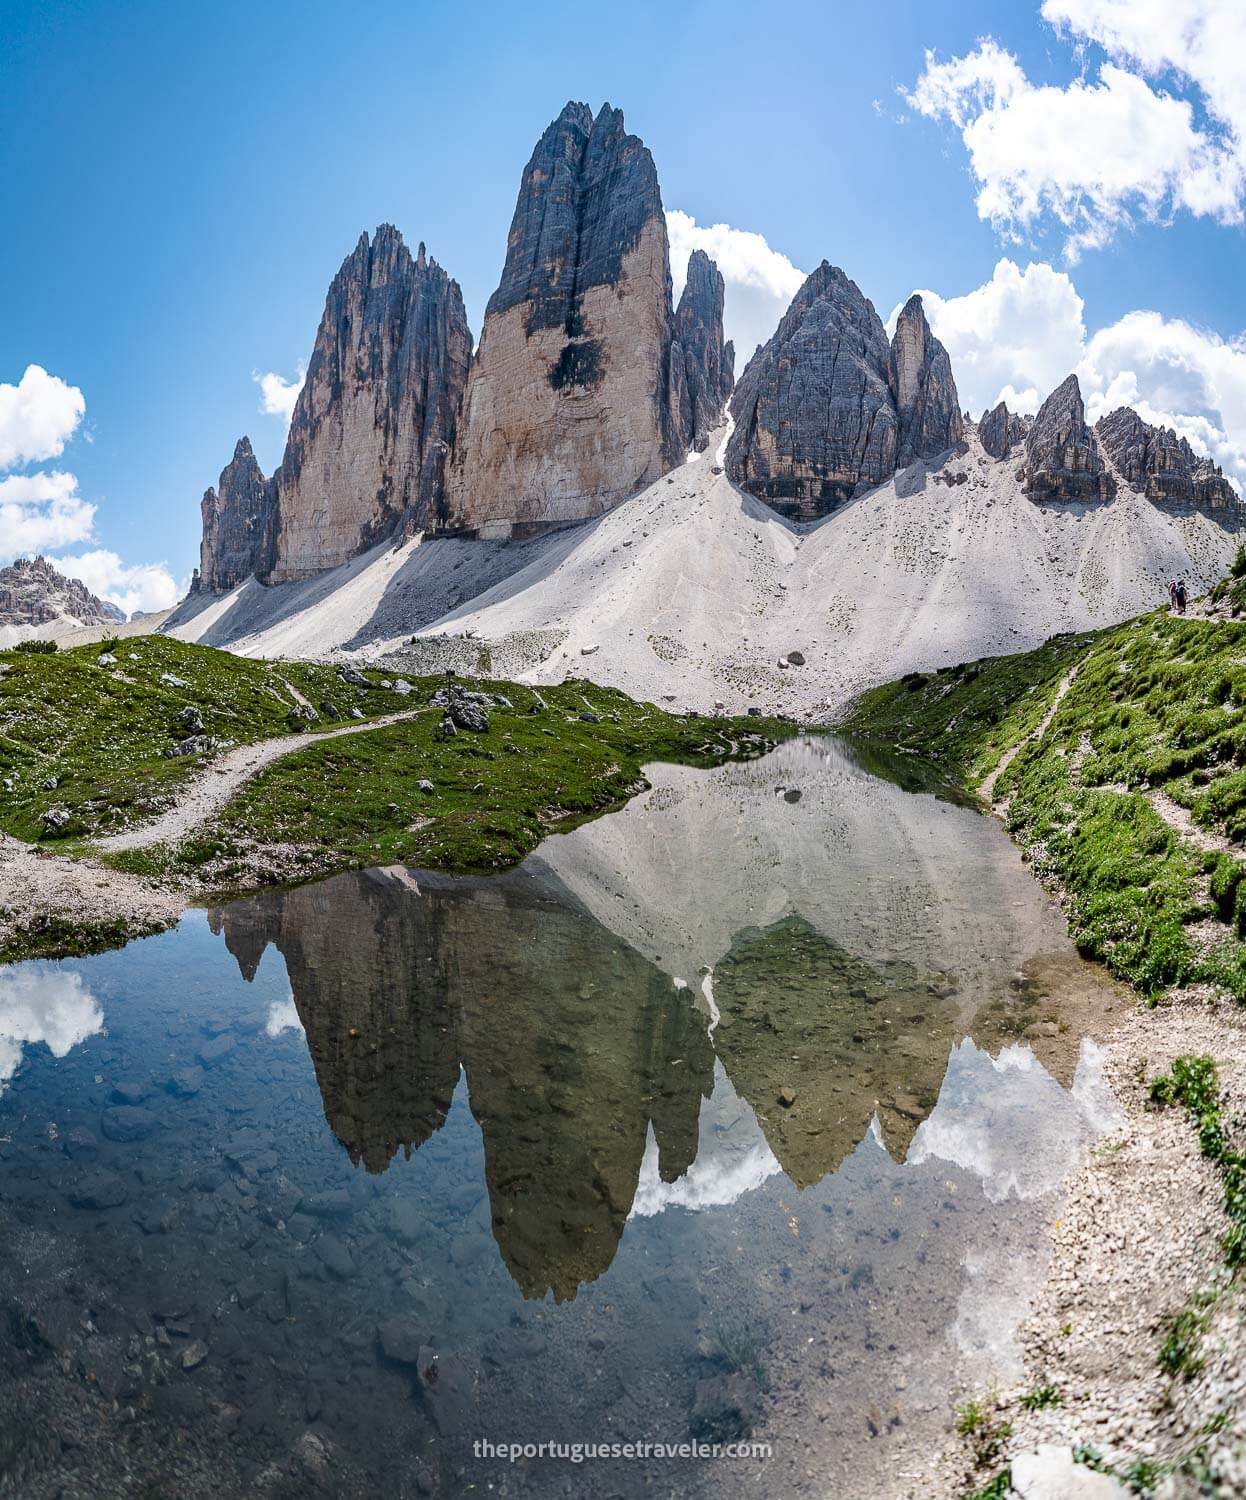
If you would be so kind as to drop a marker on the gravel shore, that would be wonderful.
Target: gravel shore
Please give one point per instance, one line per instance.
(1138, 1237)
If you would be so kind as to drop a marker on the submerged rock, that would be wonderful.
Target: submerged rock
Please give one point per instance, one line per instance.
(98, 1190)
(126, 1123)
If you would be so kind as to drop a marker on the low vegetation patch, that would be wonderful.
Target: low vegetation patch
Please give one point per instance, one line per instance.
(1155, 716)
(471, 800)
(1193, 1085)
(58, 937)
(85, 734)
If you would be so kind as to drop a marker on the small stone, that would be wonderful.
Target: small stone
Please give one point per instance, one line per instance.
(124, 1123)
(787, 1096)
(194, 1354)
(726, 1408)
(796, 658)
(333, 1204)
(99, 1190)
(424, 785)
(399, 1340)
(335, 1256)
(187, 1082)
(130, 1093)
(216, 1050)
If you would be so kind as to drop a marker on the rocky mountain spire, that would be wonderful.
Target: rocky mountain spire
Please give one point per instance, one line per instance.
(920, 375)
(1157, 463)
(999, 429)
(375, 419)
(702, 366)
(815, 421)
(239, 524)
(567, 407)
(1062, 457)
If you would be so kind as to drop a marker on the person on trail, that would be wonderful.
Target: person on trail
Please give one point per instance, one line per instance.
(1172, 594)
(1181, 596)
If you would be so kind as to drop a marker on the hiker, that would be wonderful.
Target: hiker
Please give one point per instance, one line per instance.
(1172, 595)
(1181, 596)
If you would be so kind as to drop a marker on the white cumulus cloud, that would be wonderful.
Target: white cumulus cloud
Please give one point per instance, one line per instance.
(130, 586)
(277, 394)
(1119, 143)
(758, 281)
(1017, 336)
(38, 416)
(41, 511)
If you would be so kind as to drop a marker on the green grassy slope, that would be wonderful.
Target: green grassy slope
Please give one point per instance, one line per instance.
(100, 733)
(1157, 709)
(549, 760)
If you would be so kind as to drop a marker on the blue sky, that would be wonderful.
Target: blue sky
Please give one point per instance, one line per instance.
(183, 181)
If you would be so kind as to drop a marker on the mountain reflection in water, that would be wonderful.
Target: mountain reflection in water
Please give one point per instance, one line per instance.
(588, 1064)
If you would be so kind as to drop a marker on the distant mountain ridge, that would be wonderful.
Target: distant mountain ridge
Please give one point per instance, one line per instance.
(33, 592)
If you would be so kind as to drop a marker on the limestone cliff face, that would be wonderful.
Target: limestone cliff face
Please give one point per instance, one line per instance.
(702, 365)
(1062, 457)
(567, 407)
(815, 420)
(919, 373)
(239, 524)
(376, 416)
(999, 429)
(1157, 463)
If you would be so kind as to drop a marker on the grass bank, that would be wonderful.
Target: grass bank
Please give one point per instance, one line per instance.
(85, 732)
(86, 736)
(1134, 797)
(476, 800)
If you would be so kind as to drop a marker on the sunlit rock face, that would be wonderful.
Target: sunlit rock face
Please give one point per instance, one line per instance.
(239, 524)
(568, 408)
(374, 422)
(919, 373)
(1062, 456)
(1155, 462)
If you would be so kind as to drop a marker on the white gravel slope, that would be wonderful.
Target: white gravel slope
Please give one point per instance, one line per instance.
(692, 590)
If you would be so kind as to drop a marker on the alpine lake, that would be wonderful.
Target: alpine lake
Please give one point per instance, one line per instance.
(738, 1115)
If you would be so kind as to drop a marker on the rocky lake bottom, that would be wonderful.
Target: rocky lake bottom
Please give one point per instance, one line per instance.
(739, 1114)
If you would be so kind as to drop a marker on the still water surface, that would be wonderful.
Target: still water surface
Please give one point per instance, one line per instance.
(746, 1105)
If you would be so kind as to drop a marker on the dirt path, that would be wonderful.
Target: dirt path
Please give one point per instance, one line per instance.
(1181, 821)
(987, 788)
(223, 777)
